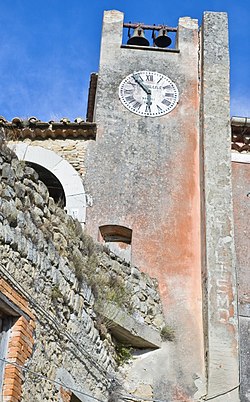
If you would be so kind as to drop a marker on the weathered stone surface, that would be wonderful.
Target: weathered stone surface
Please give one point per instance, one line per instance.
(20, 190)
(220, 285)
(126, 329)
(9, 211)
(241, 203)
(244, 358)
(38, 200)
(145, 298)
(153, 165)
(36, 243)
(7, 192)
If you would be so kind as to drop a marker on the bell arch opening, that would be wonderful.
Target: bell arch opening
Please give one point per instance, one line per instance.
(51, 182)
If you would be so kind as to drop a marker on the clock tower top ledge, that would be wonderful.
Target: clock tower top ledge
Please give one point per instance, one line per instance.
(179, 63)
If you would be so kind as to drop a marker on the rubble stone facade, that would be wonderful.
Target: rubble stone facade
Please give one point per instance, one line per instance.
(54, 332)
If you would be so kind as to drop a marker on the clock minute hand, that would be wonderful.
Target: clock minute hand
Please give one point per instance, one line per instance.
(143, 86)
(149, 103)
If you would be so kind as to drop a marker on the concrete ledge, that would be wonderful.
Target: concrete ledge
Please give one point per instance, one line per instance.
(240, 158)
(129, 331)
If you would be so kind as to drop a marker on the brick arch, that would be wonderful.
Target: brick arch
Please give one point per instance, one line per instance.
(64, 172)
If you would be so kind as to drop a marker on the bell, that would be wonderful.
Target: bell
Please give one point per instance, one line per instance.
(162, 40)
(138, 38)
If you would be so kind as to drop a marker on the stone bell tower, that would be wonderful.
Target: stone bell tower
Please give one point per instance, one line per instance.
(159, 174)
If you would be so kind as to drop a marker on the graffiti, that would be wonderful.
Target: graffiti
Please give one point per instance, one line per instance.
(223, 300)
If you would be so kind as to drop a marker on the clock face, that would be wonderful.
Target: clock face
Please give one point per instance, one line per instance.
(148, 93)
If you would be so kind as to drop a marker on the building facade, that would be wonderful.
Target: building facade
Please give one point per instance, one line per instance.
(159, 175)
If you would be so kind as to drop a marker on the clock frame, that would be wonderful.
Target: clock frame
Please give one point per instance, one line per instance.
(148, 93)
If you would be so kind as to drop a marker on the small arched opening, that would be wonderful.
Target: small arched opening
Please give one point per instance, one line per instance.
(118, 239)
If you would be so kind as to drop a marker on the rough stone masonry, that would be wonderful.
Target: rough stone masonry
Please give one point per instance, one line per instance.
(43, 252)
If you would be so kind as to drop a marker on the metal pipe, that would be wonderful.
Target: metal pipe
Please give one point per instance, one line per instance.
(240, 121)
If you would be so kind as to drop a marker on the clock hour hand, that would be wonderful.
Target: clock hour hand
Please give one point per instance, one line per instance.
(142, 85)
(149, 103)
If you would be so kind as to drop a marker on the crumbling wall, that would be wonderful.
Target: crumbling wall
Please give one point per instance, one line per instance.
(47, 258)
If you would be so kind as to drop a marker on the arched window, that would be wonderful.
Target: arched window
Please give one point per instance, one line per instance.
(118, 239)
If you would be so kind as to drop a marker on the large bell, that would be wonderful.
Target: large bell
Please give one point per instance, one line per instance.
(162, 40)
(138, 38)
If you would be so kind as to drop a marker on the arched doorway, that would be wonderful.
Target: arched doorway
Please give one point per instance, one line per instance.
(56, 172)
(52, 183)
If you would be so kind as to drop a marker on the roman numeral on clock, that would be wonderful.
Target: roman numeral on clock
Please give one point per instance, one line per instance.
(137, 105)
(169, 94)
(128, 91)
(166, 102)
(133, 102)
(130, 99)
(132, 83)
(149, 77)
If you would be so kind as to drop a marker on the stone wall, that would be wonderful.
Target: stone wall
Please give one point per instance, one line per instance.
(219, 274)
(143, 173)
(72, 150)
(50, 262)
(241, 203)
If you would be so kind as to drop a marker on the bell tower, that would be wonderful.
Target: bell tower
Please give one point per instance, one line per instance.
(159, 111)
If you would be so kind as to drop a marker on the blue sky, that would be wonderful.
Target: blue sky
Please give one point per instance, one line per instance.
(48, 48)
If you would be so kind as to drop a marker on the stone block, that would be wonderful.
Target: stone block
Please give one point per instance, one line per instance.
(129, 331)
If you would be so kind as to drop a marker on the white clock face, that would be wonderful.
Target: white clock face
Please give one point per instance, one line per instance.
(148, 93)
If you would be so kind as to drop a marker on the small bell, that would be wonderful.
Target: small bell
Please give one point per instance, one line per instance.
(162, 40)
(138, 38)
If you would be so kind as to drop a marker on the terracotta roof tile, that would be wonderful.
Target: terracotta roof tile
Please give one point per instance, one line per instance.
(35, 128)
